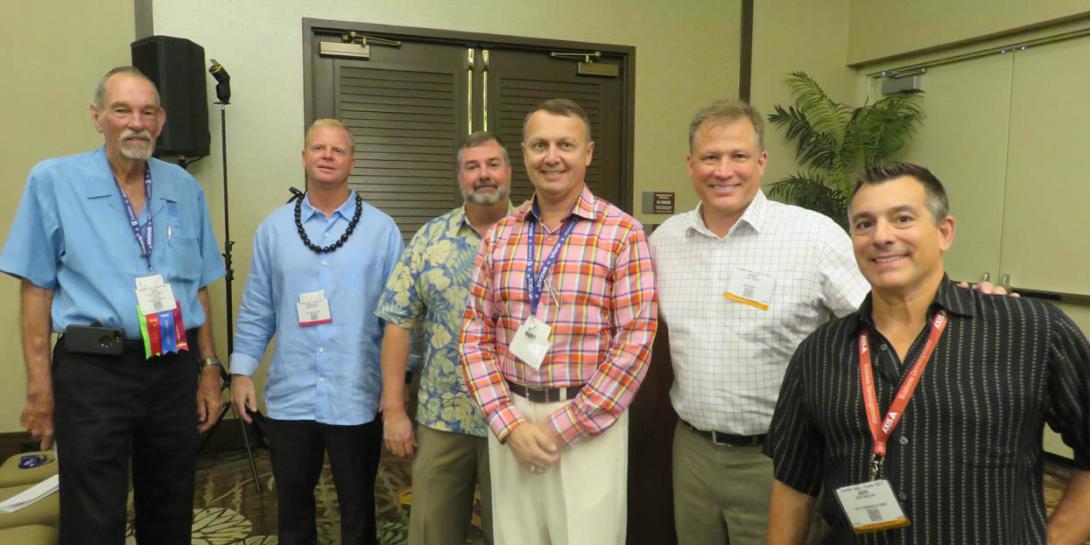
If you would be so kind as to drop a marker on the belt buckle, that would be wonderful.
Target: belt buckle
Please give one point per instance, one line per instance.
(537, 395)
(716, 441)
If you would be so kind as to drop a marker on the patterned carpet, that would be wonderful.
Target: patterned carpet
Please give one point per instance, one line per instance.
(228, 510)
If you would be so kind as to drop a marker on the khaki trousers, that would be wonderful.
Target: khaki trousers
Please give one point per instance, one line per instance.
(448, 467)
(581, 500)
(721, 493)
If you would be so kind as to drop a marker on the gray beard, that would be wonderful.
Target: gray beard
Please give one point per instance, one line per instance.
(485, 200)
(138, 152)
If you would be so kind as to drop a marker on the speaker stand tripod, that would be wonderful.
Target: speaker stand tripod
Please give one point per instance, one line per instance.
(227, 247)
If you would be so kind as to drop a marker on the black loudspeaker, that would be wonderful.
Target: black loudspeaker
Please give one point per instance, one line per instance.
(176, 66)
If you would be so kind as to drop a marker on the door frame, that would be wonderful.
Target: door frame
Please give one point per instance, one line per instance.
(627, 55)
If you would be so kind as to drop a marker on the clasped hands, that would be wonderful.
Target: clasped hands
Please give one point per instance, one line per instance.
(535, 446)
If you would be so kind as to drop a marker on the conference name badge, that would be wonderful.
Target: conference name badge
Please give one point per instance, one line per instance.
(159, 316)
(532, 342)
(871, 506)
(750, 287)
(313, 309)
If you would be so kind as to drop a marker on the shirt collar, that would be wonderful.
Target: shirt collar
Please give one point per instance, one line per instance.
(754, 215)
(102, 183)
(587, 206)
(346, 210)
(950, 298)
(459, 220)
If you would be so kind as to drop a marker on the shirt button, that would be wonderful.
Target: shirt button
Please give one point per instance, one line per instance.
(326, 235)
(324, 262)
(903, 440)
(321, 349)
(321, 379)
(902, 496)
(884, 348)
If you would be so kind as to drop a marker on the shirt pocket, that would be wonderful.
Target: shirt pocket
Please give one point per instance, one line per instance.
(185, 253)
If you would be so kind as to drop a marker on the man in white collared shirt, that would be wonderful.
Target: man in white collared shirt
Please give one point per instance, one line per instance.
(741, 281)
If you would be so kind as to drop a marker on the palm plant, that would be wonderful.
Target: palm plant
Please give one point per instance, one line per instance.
(834, 141)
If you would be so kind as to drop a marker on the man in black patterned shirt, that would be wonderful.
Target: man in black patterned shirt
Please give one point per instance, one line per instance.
(938, 441)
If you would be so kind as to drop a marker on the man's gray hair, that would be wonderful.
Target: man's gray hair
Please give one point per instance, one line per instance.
(728, 110)
(100, 89)
(480, 138)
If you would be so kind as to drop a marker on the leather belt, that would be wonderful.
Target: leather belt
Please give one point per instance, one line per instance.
(544, 395)
(727, 439)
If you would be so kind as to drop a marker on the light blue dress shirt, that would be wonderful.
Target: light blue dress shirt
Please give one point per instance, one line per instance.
(330, 372)
(71, 235)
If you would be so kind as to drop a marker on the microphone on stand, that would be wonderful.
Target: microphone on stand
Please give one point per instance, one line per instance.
(223, 81)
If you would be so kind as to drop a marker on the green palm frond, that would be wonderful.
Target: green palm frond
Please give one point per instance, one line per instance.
(812, 191)
(814, 149)
(833, 141)
(882, 129)
(825, 114)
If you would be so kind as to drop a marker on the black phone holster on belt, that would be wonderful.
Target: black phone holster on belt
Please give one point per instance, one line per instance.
(94, 339)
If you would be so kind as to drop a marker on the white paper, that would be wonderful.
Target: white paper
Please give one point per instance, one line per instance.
(532, 341)
(155, 299)
(751, 287)
(313, 312)
(30, 495)
(149, 281)
(871, 505)
(312, 296)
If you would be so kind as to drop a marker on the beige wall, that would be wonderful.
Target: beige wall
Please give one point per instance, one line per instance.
(980, 208)
(52, 54)
(787, 36)
(883, 28)
(686, 55)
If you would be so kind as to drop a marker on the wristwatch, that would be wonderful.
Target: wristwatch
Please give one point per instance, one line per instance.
(205, 362)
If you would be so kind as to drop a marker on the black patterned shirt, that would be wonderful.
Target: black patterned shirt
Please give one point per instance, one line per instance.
(966, 460)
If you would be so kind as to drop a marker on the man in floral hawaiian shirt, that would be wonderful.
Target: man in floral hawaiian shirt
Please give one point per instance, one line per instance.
(429, 286)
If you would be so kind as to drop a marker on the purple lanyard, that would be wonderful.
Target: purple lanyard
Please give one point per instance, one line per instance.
(536, 283)
(143, 240)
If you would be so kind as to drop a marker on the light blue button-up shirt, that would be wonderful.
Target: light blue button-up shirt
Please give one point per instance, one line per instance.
(330, 372)
(71, 235)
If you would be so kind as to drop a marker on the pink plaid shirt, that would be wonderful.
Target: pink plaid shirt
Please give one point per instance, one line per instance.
(602, 331)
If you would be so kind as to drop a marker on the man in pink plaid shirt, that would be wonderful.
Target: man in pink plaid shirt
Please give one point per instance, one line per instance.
(557, 336)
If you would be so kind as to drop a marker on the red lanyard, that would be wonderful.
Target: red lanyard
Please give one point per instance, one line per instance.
(880, 429)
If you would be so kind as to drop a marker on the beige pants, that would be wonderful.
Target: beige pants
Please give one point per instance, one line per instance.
(721, 493)
(448, 467)
(581, 500)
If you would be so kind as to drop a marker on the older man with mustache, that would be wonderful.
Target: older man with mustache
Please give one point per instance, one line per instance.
(114, 250)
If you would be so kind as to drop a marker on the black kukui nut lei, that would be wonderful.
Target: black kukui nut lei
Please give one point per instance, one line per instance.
(344, 238)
